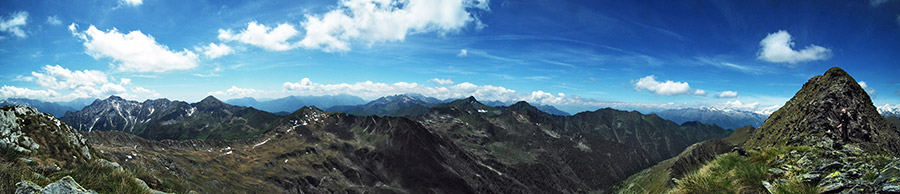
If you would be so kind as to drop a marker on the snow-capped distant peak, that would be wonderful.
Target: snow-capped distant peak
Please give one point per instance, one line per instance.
(889, 110)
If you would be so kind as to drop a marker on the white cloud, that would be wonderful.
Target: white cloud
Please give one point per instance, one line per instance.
(84, 83)
(274, 39)
(131, 2)
(737, 104)
(463, 53)
(53, 20)
(699, 92)
(14, 23)
(667, 88)
(866, 87)
(214, 50)
(373, 21)
(441, 81)
(134, 51)
(16, 92)
(777, 48)
(236, 92)
(728, 94)
(58, 77)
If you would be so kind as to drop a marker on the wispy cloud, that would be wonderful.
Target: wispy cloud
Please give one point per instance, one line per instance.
(14, 23)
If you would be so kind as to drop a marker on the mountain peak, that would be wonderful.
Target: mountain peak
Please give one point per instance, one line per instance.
(816, 108)
(115, 98)
(471, 99)
(210, 101)
(522, 105)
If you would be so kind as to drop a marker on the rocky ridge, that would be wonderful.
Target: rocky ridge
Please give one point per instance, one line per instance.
(36, 148)
(816, 109)
(164, 119)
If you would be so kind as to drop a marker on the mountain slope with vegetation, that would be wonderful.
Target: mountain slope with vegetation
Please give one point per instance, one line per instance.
(37, 149)
(791, 153)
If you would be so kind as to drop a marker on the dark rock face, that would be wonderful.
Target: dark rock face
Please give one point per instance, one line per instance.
(816, 108)
(164, 119)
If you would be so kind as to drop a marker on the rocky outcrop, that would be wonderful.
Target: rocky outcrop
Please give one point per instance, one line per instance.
(816, 108)
(25, 130)
(66, 185)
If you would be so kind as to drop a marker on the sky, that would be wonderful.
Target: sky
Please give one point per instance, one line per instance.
(575, 55)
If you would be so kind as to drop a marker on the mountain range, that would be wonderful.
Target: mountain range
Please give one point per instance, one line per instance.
(413, 105)
(55, 108)
(725, 118)
(165, 119)
(461, 146)
(292, 103)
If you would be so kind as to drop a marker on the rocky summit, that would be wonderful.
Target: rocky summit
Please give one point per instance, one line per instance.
(816, 108)
(791, 152)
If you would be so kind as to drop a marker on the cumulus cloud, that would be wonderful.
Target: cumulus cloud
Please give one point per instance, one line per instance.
(16, 92)
(236, 92)
(728, 94)
(667, 88)
(737, 104)
(53, 20)
(367, 21)
(131, 2)
(386, 21)
(13, 24)
(134, 51)
(76, 84)
(214, 50)
(463, 53)
(777, 48)
(58, 77)
(699, 92)
(441, 81)
(273, 39)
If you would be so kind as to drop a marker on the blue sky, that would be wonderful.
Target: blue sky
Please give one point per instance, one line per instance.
(576, 55)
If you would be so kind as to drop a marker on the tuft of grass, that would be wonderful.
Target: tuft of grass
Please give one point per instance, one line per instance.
(103, 179)
(793, 186)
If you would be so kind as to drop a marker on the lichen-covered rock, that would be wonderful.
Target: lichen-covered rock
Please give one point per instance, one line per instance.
(26, 130)
(25, 187)
(66, 185)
